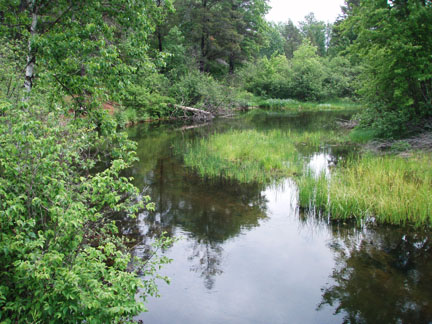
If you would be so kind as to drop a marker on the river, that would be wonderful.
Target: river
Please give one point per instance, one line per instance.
(248, 254)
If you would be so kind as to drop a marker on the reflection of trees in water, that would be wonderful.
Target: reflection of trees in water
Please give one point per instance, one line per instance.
(209, 257)
(301, 121)
(382, 275)
(210, 211)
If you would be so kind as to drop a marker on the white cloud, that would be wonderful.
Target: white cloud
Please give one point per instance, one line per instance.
(282, 10)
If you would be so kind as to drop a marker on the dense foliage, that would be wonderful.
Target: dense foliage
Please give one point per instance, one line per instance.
(306, 76)
(392, 39)
(60, 258)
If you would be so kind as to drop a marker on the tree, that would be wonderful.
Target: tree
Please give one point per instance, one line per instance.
(217, 48)
(61, 260)
(273, 41)
(341, 37)
(394, 43)
(315, 32)
(292, 37)
(81, 48)
(307, 73)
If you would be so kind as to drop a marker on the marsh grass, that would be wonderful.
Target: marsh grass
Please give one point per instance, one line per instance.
(294, 105)
(391, 189)
(361, 135)
(252, 156)
(246, 156)
(313, 190)
(387, 189)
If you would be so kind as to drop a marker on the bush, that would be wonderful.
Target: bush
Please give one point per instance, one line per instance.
(341, 78)
(267, 77)
(201, 90)
(306, 77)
(146, 102)
(308, 74)
(385, 123)
(60, 258)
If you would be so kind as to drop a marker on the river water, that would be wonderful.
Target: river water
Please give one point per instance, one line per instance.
(247, 254)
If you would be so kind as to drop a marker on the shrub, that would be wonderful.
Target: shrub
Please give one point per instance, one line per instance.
(146, 102)
(201, 90)
(60, 258)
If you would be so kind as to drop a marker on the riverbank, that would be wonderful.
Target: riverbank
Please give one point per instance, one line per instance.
(127, 117)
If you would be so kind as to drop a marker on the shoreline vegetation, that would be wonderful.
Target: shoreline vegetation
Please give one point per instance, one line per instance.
(128, 117)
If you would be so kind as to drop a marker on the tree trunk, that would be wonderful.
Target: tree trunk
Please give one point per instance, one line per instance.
(31, 57)
(231, 64)
(159, 37)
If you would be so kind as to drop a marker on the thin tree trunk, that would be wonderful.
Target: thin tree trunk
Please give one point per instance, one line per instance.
(231, 64)
(159, 37)
(31, 57)
(202, 59)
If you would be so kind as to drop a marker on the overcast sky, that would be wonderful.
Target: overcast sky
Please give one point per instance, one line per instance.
(282, 10)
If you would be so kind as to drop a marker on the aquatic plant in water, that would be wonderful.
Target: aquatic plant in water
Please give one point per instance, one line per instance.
(391, 189)
(253, 156)
(246, 156)
(387, 189)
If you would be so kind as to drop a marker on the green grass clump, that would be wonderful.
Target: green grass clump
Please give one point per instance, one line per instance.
(246, 156)
(276, 103)
(313, 190)
(390, 188)
(295, 105)
(250, 155)
(362, 135)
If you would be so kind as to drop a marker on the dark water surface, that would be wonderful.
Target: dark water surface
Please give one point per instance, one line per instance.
(248, 255)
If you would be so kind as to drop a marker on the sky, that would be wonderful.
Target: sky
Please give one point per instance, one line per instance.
(282, 10)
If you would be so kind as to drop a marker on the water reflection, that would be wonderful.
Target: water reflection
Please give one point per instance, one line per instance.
(207, 261)
(208, 212)
(382, 275)
(320, 164)
(248, 255)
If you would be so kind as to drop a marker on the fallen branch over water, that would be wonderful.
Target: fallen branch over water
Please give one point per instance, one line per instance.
(194, 110)
(197, 114)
